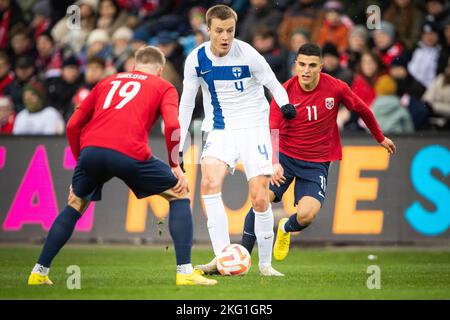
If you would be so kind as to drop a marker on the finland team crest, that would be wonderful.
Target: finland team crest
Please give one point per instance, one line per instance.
(237, 72)
(329, 103)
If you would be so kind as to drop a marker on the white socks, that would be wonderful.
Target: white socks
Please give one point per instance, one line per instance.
(43, 271)
(264, 235)
(185, 268)
(217, 221)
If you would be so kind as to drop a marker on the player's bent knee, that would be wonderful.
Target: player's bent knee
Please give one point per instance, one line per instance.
(169, 195)
(211, 185)
(260, 204)
(306, 218)
(77, 203)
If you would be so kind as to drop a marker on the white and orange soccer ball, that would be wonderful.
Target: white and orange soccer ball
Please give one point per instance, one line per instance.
(234, 260)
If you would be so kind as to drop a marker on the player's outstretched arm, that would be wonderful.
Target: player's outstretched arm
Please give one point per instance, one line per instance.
(281, 97)
(169, 114)
(78, 121)
(267, 78)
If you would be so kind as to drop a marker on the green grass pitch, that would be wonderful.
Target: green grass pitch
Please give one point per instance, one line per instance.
(142, 272)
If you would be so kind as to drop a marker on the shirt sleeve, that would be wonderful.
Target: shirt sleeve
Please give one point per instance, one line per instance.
(191, 84)
(78, 121)
(354, 103)
(275, 122)
(278, 92)
(169, 114)
(265, 76)
(260, 68)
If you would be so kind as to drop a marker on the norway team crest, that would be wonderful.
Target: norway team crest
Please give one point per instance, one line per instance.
(237, 72)
(329, 103)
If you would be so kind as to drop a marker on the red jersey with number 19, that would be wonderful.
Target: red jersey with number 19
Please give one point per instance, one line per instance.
(313, 135)
(119, 112)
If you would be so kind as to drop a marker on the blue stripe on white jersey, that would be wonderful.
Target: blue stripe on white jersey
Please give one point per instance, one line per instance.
(211, 73)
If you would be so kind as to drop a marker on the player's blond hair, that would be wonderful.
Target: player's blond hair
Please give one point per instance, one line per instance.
(150, 55)
(221, 12)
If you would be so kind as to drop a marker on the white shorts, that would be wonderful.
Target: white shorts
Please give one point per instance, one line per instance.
(252, 146)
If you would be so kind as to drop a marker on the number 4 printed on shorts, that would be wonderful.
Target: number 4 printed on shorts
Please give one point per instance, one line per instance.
(263, 150)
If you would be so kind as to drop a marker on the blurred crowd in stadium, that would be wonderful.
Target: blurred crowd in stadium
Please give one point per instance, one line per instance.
(51, 58)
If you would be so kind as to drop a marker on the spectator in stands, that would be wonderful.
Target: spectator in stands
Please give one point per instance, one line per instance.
(24, 72)
(21, 43)
(121, 47)
(197, 19)
(74, 37)
(199, 30)
(423, 64)
(305, 14)
(37, 118)
(6, 74)
(98, 44)
(261, 13)
(266, 43)
(369, 69)
(200, 37)
(392, 117)
(95, 71)
(331, 64)
(7, 116)
(10, 15)
(410, 92)
(298, 38)
(139, 39)
(437, 12)
(333, 30)
(152, 10)
(438, 94)
(406, 84)
(41, 20)
(173, 51)
(358, 44)
(49, 57)
(445, 51)
(59, 8)
(62, 89)
(385, 45)
(406, 18)
(110, 17)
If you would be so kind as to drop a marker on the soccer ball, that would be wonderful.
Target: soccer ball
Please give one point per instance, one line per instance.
(234, 260)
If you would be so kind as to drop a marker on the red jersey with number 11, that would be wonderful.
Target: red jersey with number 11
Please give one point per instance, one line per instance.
(313, 135)
(119, 112)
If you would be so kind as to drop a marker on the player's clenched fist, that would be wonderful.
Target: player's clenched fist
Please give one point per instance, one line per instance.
(288, 111)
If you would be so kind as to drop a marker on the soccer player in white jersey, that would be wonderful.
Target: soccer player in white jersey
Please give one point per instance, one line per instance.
(232, 75)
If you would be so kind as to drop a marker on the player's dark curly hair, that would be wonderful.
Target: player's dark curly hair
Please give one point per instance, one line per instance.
(310, 49)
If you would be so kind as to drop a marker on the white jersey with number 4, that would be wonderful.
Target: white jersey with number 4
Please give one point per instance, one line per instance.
(232, 86)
